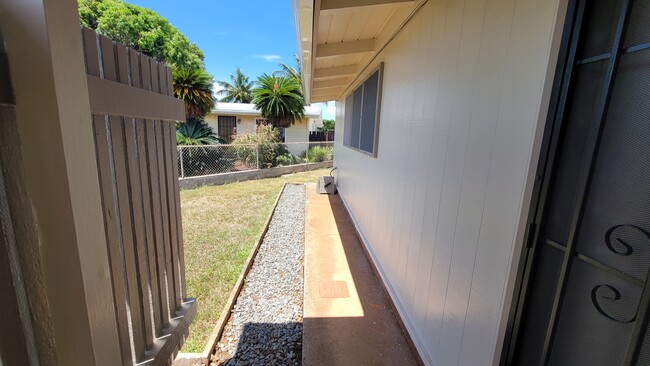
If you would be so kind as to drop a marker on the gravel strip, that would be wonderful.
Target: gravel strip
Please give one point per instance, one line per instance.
(265, 326)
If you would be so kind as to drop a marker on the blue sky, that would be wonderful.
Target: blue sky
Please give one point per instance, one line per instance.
(255, 35)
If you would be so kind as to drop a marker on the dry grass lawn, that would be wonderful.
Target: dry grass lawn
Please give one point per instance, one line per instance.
(220, 226)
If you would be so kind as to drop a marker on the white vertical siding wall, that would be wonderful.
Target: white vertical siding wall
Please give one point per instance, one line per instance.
(297, 132)
(465, 88)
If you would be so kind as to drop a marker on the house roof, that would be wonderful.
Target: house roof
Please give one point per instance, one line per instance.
(338, 39)
(248, 109)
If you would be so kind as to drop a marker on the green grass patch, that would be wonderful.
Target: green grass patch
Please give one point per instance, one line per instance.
(220, 227)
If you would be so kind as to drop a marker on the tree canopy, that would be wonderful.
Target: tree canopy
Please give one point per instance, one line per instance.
(291, 72)
(239, 91)
(328, 125)
(141, 29)
(194, 87)
(279, 99)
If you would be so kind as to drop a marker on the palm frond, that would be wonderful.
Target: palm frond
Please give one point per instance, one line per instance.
(194, 87)
(195, 131)
(279, 99)
(240, 90)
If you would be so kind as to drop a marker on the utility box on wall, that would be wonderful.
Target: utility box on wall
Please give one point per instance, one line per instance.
(326, 185)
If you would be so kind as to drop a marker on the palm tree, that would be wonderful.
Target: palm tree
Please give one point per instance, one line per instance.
(291, 72)
(194, 87)
(279, 99)
(240, 91)
(196, 132)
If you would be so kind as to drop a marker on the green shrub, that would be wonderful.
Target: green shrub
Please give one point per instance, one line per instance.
(268, 144)
(318, 154)
(287, 159)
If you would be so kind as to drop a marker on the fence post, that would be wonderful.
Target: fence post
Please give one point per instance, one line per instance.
(257, 155)
(307, 155)
(180, 148)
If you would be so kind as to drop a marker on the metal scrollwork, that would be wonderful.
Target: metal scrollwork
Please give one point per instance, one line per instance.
(607, 292)
(618, 245)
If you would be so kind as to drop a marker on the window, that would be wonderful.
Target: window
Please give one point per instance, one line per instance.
(362, 108)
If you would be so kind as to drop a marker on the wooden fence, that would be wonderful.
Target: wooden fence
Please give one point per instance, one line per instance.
(134, 114)
(321, 136)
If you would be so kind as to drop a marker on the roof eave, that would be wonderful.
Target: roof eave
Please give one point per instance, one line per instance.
(303, 12)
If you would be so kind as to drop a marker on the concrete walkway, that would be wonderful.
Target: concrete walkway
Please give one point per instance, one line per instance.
(348, 319)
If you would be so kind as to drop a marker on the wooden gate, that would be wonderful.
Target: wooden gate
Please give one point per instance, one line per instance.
(134, 115)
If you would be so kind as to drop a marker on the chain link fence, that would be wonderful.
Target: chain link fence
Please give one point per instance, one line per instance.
(201, 160)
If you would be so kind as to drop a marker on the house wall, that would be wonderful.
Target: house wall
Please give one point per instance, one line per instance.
(298, 132)
(314, 124)
(442, 207)
(247, 124)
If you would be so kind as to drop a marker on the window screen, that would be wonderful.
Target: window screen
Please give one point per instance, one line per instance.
(227, 128)
(356, 117)
(369, 113)
(362, 114)
(347, 128)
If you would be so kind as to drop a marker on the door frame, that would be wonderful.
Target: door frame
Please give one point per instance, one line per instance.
(219, 126)
(562, 91)
(543, 178)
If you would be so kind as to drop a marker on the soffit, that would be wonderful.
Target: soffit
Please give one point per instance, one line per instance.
(346, 36)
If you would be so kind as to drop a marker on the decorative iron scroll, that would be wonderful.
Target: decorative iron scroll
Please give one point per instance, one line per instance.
(627, 248)
(601, 292)
(617, 246)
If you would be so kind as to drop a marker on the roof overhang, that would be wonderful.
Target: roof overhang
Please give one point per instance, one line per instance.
(338, 39)
(248, 109)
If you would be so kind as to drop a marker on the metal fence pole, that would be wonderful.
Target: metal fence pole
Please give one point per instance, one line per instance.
(180, 150)
(257, 155)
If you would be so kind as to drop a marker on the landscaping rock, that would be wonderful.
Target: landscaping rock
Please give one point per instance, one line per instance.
(265, 326)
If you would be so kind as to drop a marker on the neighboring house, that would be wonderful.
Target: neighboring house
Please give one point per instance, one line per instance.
(495, 159)
(230, 120)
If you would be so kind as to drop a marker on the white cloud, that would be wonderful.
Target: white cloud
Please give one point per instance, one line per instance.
(328, 108)
(269, 58)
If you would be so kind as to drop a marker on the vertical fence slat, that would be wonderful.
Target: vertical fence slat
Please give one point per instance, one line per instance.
(160, 145)
(156, 209)
(145, 72)
(122, 57)
(109, 206)
(155, 84)
(138, 174)
(91, 52)
(108, 59)
(179, 218)
(170, 175)
(134, 70)
(170, 82)
(145, 183)
(162, 75)
(142, 263)
(126, 224)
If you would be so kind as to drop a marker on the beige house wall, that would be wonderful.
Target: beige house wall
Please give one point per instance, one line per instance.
(442, 206)
(297, 132)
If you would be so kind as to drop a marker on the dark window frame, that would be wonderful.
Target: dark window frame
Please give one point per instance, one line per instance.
(350, 111)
